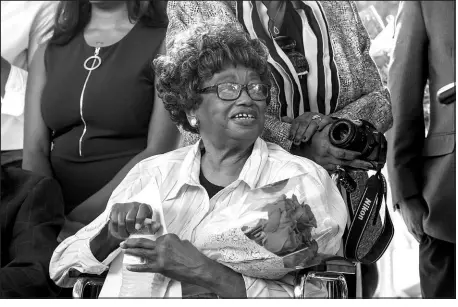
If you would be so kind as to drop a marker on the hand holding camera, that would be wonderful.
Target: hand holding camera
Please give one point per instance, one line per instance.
(306, 125)
(320, 150)
(360, 136)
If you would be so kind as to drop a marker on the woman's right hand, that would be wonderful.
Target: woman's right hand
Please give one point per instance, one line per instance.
(128, 218)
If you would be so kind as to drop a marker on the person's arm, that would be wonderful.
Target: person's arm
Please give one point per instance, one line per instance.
(42, 27)
(406, 80)
(180, 260)
(275, 130)
(163, 136)
(35, 231)
(75, 253)
(103, 244)
(227, 283)
(37, 136)
(88, 251)
(183, 14)
(373, 104)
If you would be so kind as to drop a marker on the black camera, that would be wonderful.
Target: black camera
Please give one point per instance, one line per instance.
(360, 136)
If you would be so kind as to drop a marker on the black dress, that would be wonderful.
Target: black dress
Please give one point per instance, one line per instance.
(99, 119)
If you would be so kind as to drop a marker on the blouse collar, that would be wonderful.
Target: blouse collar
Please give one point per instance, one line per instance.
(190, 169)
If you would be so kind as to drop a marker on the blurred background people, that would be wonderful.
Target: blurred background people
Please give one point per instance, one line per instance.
(319, 55)
(91, 107)
(31, 217)
(422, 170)
(25, 25)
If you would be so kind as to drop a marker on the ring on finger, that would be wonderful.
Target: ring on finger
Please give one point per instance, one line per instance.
(317, 117)
(315, 128)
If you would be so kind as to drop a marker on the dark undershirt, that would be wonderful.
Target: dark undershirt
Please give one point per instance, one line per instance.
(211, 188)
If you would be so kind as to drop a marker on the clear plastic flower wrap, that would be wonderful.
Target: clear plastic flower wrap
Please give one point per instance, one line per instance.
(274, 230)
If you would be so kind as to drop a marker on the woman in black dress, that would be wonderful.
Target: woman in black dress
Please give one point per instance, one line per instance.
(91, 108)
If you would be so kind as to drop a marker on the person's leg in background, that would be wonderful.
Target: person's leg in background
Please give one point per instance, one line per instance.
(370, 279)
(437, 268)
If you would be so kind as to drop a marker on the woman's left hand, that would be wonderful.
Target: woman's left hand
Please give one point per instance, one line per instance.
(168, 255)
(304, 126)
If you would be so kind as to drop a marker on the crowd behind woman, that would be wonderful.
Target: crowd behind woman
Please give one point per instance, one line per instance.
(98, 121)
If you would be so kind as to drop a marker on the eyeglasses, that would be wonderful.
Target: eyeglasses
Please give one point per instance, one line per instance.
(232, 91)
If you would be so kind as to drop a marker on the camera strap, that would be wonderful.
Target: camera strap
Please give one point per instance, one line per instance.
(371, 200)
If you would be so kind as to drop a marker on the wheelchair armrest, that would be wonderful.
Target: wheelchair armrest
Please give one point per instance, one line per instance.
(331, 276)
(341, 266)
(335, 265)
(72, 273)
(84, 280)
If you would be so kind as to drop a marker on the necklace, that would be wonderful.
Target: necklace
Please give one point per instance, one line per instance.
(96, 60)
(272, 20)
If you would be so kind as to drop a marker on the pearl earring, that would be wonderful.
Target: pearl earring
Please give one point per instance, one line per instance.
(193, 122)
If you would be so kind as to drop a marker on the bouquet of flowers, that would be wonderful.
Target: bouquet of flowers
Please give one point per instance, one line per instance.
(287, 229)
(274, 230)
(269, 232)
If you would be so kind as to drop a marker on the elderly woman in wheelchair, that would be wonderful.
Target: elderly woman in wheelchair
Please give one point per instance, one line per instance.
(231, 216)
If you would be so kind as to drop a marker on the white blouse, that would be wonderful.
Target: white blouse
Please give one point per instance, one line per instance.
(185, 204)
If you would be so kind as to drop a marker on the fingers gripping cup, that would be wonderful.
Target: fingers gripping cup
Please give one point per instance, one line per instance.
(135, 284)
(145, 284)
(144, 231)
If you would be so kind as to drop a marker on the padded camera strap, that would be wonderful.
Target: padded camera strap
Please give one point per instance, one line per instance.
(371, 199)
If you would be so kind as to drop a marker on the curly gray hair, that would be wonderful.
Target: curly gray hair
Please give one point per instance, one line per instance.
(197, 54)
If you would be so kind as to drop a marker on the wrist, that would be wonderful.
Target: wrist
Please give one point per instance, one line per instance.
(295, 150)
(104, 244)
(222, 281)
(300, 150)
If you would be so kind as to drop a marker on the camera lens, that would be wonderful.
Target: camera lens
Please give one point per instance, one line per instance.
(347, 135)
(341, 134)
(360, 137)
